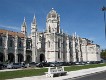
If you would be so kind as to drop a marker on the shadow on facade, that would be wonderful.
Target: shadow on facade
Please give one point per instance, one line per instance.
(28, 58)
(20, 58)
(11, 57)
(1, 57)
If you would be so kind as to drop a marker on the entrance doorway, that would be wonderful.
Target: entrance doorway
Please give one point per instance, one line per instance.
(42, 57)
(1, 57)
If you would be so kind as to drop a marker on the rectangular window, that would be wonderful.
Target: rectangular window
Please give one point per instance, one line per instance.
(59, 54)
(28, 45)
(20, 44)
(1, 41)
(11, 43)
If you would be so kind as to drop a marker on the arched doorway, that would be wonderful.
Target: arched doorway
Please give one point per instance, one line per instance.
(20, 58)
(1, 57)
(28, 58)
(11, 57)
(42, 57)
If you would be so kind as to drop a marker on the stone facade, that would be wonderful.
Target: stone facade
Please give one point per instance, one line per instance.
(50, 46)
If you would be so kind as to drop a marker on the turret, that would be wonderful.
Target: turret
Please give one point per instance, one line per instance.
(24, 27)
(33, 24)
(53, 22)
(34, 39)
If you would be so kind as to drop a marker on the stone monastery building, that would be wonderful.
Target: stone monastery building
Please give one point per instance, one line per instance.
(51, 45)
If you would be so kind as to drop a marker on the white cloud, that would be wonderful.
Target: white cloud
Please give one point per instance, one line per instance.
(9, 27)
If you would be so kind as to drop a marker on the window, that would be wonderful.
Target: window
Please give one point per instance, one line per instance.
(0, 41)
(59, 54)
(20, 44)
(11, 43)
(40, 38)
(97, 53)
(58, 43)
(49, 29)
(28, 45)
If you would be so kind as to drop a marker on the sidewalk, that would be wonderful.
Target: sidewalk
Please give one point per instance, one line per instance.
(70, 74)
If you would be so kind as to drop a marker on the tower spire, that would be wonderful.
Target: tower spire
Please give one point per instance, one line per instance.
(24, 22)
(24, 27)
(34, 20)
(34, 16)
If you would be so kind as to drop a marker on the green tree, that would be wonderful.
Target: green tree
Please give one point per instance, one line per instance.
(103, 54)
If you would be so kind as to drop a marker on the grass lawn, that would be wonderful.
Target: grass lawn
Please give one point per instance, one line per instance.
(74, 67)
(22, 73)
(35, 72)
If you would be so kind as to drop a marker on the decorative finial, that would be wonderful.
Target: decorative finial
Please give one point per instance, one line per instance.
(24, 19)
(52, 8)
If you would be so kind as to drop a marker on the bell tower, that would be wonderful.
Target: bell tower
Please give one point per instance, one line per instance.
(51, 37)
(53, 22)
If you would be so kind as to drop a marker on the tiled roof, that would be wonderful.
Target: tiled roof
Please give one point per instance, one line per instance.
(11, 33)
(90, 44)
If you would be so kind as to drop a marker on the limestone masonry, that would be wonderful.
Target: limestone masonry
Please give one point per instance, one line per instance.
(50, 45)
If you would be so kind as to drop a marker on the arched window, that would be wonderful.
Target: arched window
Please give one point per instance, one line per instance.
(1, 41)
(11, 43)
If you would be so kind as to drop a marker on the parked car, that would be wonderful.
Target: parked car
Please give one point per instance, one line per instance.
(80, 63)
(88, 62)
(39, 65)
(64, 63)
(45, 64)
(1, 66)
(14, 65)
(5, 65)
(54, 64)
(77, 63)
(32, 64)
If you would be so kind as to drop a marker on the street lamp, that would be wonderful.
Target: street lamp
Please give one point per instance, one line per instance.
(104, 9)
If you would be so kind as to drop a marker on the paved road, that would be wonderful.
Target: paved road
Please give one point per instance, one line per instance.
(95, 76)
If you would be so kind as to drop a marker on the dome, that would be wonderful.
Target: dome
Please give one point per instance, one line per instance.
(52, 14)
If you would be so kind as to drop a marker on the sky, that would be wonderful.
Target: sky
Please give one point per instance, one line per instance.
(81, 16)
